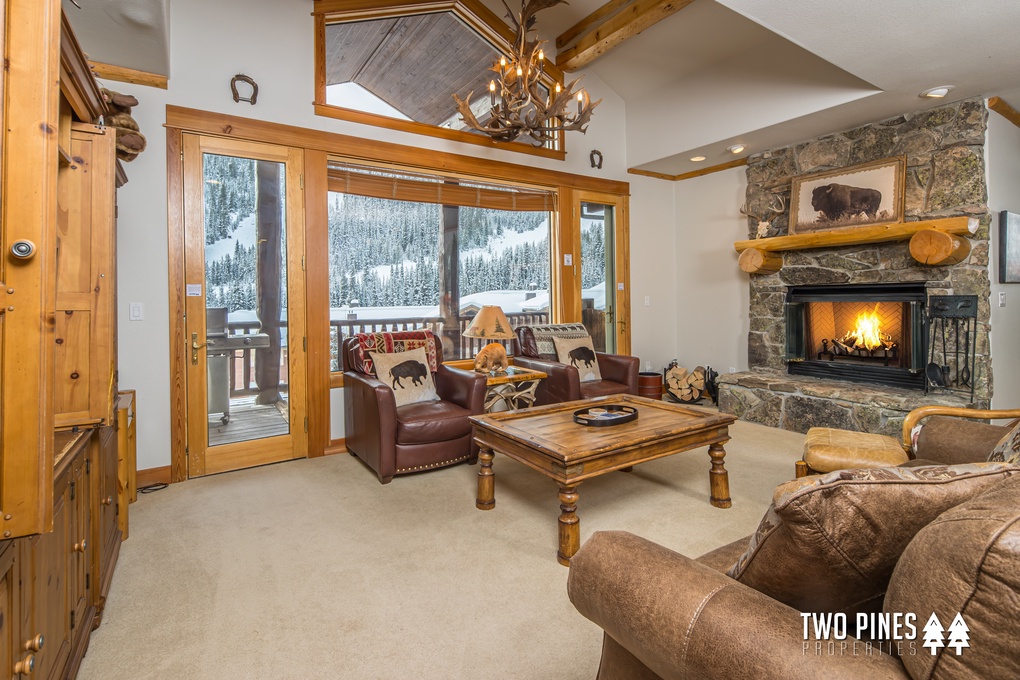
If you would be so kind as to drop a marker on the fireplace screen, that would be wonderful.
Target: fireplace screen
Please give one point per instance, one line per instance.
(862, 333)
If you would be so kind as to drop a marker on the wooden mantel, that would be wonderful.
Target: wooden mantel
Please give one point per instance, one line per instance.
(758, 255)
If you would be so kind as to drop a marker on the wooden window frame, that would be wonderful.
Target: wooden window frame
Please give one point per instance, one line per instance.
(319, 147)
(472, 12)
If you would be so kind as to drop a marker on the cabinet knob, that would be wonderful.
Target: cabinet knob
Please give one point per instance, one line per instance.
(25, 666)
(35, 644)
(108, 500)
(81, 547)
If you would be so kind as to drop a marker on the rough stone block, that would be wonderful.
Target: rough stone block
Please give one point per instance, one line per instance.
(802, 413)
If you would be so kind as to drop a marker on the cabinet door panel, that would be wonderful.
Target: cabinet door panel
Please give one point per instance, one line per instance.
(71, 371)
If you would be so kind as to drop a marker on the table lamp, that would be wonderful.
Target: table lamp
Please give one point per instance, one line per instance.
(490, 323)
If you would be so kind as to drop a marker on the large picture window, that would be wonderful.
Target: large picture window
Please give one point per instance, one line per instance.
(432, 253)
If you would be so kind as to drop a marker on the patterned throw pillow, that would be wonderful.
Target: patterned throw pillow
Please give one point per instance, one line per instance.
(580, 353)
(537, 341)
(1008, 448)
(408, 374)
(830, 542)
(394, 341)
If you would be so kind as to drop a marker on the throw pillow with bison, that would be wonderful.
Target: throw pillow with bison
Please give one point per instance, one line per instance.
(407, 373)
(579, 353)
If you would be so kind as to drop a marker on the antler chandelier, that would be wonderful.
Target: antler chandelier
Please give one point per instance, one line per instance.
(520, 105)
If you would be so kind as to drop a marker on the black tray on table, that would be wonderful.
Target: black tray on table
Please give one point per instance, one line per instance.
(605, 416)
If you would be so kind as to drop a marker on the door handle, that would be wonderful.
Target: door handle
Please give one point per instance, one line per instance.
(194, 349)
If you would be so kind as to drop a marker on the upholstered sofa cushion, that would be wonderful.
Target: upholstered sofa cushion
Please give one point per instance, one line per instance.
(431, 421)
(830, 542)
(537, 341)
(828, 449)
(966, 562)
(579, 353)
(957, 440)
(389, 342)
(408, 375)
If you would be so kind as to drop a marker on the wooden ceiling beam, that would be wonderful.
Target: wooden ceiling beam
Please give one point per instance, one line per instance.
(128, 75)
(689, 175)
(610, 25)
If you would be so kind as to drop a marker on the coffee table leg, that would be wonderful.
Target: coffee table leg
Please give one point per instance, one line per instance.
(718, 477)
(570, 525)
(486, 481)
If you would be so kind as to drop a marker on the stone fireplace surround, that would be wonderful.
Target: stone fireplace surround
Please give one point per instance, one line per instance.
(945, 177)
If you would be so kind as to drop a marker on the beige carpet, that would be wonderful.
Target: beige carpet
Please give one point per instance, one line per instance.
(312, 569)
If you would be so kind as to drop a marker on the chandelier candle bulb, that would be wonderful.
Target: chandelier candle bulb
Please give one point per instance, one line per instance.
(492, 92)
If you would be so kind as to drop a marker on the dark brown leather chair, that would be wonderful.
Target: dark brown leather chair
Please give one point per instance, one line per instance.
(619, 373)
(396, 440)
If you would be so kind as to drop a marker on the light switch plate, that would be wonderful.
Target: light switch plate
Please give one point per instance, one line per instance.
(136, 311)
(1002, 299)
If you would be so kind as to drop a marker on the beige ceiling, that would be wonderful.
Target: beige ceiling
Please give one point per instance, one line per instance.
(759, 72)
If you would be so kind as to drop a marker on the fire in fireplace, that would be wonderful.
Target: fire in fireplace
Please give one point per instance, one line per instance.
(864, 333)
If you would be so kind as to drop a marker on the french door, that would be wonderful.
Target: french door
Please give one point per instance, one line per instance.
(244, 304)
(605, 272)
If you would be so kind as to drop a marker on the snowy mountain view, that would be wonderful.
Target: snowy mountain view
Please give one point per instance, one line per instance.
(384, 254)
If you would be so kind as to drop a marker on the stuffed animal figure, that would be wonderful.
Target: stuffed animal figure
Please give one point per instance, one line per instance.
(130, 142)
(491, 359)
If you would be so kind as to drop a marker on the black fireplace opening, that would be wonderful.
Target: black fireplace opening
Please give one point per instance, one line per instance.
(872, 333)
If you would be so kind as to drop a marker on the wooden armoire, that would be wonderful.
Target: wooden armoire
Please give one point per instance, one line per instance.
(59, 500)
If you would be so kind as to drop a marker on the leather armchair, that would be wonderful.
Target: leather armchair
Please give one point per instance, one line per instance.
(665, 615)
(396, 440)
(619, 374)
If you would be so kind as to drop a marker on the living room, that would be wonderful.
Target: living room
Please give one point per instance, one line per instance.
(785, 85)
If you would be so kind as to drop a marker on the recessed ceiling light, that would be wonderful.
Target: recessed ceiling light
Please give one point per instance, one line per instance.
(697, 159)
(936, 92)
(736, 148)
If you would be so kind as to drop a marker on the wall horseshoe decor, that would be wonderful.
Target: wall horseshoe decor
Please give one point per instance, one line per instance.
(244, 79)
(596, 159)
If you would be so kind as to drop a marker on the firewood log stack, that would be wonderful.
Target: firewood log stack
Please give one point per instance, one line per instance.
(686, 386)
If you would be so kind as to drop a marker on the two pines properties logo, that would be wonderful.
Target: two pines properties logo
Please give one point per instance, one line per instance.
(878, 633)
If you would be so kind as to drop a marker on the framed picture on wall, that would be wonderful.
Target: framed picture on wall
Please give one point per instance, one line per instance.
(858, 196)
(1009, 247)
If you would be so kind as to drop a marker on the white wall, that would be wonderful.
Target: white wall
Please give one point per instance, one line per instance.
(271, 41)
(712, 292)
(1003, 167)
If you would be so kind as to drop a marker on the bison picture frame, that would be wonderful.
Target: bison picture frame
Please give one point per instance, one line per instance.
(862, 195)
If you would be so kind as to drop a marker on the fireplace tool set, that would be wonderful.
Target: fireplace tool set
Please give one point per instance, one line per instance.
(951, 347)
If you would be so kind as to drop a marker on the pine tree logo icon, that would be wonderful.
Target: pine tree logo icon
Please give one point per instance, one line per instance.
(933, 631)
(958, 634)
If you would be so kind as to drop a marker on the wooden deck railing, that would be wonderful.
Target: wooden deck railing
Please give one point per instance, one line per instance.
(339, 329)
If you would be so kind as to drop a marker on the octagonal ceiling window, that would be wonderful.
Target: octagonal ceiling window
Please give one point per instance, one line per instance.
(401, 71)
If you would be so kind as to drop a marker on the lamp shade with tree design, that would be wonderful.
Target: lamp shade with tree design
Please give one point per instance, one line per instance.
(490, 324)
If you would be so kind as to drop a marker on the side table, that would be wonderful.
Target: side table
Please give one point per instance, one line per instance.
(514, 387)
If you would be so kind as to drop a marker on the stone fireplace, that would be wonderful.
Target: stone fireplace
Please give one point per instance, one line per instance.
(862, 388)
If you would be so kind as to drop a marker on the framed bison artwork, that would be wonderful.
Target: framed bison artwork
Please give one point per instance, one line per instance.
(859, 196)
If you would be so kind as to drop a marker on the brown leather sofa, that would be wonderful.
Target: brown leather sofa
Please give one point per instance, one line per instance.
(619, 373)
(396, 440)
(942, 540)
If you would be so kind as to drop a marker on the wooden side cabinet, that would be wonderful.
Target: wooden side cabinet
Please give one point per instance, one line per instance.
(107, 510)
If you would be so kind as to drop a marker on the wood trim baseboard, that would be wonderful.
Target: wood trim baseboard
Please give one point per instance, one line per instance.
(336, 446)
(150, 476)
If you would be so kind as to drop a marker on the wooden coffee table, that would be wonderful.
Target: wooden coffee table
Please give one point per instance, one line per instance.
(547, 439)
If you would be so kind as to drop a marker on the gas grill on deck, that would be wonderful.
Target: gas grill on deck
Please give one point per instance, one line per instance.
(220, 348)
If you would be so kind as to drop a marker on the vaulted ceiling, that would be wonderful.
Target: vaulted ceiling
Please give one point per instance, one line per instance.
(719, 72)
